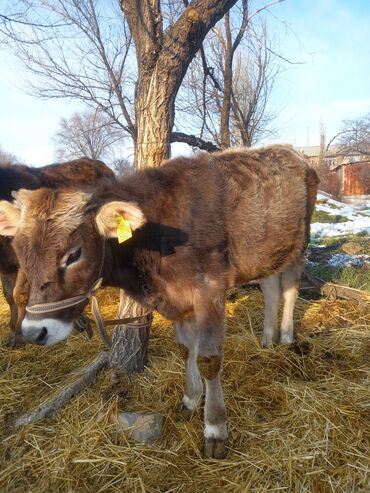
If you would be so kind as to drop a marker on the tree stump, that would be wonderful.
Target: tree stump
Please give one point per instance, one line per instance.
(129, 351)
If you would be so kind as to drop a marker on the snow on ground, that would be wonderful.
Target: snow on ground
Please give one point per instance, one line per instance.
(342, 260)
(358, 221)
(336, 229)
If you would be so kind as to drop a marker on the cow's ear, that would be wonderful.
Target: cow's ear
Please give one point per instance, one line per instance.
(22, 197)
(10, 217)
(108, 217)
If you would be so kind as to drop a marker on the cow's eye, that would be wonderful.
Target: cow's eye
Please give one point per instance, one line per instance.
(73, 256)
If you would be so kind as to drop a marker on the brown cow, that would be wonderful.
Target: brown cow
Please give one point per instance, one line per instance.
(78, 174)
(200, 225)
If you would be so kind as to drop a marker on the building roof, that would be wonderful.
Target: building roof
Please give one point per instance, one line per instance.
(314, 151)
(364, 163)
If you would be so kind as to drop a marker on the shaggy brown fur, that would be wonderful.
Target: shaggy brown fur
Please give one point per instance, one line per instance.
(200, 225)
(77, 174)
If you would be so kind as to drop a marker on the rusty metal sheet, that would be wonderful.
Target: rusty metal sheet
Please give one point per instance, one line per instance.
(356, 179)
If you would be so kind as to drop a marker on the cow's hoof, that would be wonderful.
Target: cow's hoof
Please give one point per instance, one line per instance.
(267, 342)
(16, 341)
(286, 339)
(185, 413)
(215, 448)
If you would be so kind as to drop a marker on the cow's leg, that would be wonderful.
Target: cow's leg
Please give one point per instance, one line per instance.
(271, 290)
(290, 288)
(8, 281)
(211, 323)
(21, 294)
(215, 415)
(187, 337)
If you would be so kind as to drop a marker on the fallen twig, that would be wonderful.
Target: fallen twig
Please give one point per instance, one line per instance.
(55, 403)
(334, 291)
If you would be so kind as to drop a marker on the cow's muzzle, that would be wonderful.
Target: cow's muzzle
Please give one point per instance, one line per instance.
(45, 332)
(49, 331)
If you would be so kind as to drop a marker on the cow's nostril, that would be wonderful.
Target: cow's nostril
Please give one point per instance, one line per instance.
(41, 338)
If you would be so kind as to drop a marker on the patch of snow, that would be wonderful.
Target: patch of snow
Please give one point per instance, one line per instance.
(333, 207)
(358, 225)
(344, 260)
(343, 211)
(357, 221)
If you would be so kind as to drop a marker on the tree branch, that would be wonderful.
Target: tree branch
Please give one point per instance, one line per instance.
(145, 21)
(14, 20)
(194, 141)
(57, 402)
(242, 28)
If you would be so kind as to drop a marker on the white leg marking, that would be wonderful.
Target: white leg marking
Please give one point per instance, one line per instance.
(271, 292)
(193, 383)
(217, 432)
(214, 407)
(187, 335)
(287, 326)
(191, 403)
(290, 287)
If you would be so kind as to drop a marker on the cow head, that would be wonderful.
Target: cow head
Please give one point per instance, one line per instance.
(59, 241)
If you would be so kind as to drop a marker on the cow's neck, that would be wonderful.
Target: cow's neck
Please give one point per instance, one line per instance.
(120, 270)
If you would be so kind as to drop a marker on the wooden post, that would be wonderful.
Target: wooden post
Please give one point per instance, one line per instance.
(129, 342)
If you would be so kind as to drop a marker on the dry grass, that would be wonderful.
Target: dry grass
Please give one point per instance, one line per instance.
(299, 419)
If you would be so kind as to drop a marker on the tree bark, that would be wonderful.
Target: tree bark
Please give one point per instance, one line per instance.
(228, 80)
(55, 403)
(333, 291)
(163, 57)
(129, 342)
(154, 117)
(230, 47)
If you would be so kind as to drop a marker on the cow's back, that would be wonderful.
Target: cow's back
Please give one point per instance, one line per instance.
(76, 173)
(14, 177)
(246, 210)
(267, 199)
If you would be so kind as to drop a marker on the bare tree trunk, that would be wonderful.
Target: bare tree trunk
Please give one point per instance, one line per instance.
(226, 104)
(230, 47)
(154, 120)
(163, 56)
(154, 117)
(129, 342)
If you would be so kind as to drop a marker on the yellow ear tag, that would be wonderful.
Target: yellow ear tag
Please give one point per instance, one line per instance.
(123, 230)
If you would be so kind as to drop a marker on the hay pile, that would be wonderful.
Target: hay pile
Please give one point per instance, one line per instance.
(298, 418)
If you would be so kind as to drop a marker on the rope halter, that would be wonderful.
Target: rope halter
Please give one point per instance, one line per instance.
(54, 306)
(42, 308)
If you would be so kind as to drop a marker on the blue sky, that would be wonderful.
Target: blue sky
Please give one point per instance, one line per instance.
(331, 39)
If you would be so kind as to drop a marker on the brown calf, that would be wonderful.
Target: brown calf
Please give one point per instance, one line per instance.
(78, 174)
(200, 225)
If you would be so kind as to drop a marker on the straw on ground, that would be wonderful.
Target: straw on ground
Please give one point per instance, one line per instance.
(298, 416)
